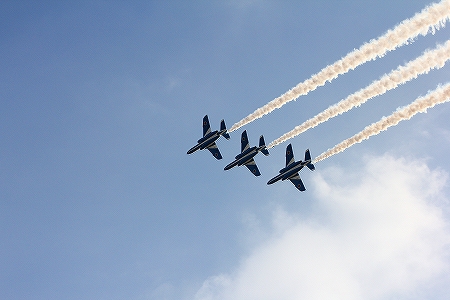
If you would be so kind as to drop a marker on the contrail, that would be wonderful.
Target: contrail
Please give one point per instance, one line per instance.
(423, 64)
(440, 95)
(430, 19)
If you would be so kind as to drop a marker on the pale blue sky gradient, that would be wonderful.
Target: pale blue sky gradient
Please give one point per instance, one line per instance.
(100, 100)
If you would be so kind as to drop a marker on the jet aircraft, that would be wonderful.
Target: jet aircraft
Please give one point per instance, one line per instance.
(247, 154)
(208, 141)
(292, 168)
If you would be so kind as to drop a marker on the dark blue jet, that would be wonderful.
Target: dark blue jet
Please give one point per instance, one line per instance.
(247, 154)
(292, 168)
(208, 141)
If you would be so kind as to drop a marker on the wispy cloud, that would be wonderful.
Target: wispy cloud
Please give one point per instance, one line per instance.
(381, 237)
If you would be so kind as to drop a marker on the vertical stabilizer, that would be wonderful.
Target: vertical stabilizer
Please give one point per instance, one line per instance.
(307, 155)
(222, 128)
(262, 143)
(308, 159)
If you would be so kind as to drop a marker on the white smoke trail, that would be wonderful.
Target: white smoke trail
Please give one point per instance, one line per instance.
(430, 19)
(423, 64)
(438, 96)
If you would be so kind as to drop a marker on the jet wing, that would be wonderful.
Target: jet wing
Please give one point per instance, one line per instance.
(251, 165)
(244, 141)
(206, 126)
(298, 182)
(215, 151)
(289, 155)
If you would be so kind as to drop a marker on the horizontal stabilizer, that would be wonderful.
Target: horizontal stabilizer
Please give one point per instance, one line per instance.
(311, 166)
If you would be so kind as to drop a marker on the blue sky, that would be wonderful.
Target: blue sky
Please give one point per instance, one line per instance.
(100, 100)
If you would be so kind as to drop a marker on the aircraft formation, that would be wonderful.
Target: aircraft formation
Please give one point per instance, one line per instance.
(429, 20)
(290, 171)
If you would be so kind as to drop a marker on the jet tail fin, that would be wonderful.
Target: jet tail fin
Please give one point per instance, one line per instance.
(223, 127)
(307, 155)
(262, 143)
(308, 158)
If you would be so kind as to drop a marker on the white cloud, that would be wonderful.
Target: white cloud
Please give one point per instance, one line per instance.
(375, 234)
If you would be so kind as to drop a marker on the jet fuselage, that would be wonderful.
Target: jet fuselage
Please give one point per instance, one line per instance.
(289, 171)
(244, 157)
(207, 140)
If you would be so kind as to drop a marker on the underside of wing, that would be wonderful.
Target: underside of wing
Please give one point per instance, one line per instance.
(298, 182)
(251, 165)
(215, 151)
